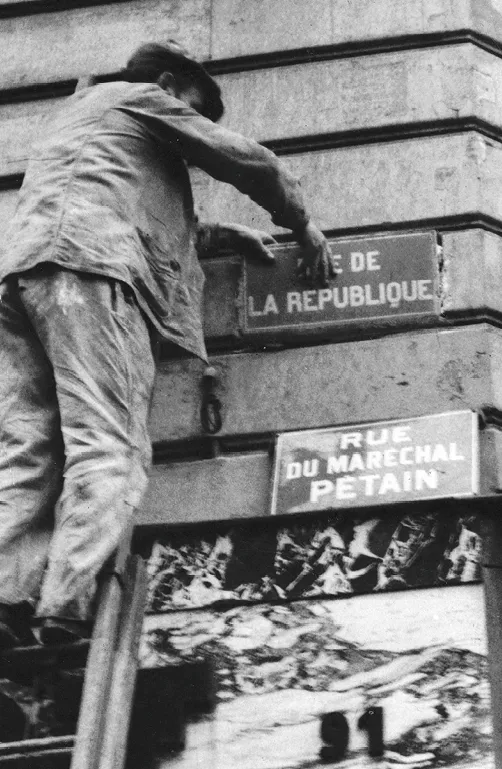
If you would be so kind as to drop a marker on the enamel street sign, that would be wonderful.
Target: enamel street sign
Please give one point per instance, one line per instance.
(376, 463)
(388, 277)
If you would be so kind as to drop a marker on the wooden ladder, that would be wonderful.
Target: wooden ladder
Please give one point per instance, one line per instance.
(111, 663)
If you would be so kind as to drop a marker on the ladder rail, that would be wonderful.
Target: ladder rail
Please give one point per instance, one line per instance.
(120, 700)
(97, 677)
(106, 702)
(100, 662)
(36, 744)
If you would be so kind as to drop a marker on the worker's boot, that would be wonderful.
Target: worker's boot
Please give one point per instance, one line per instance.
(56, 631)
(15, 627)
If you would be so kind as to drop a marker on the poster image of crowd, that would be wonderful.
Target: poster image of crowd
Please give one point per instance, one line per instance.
(333, 555)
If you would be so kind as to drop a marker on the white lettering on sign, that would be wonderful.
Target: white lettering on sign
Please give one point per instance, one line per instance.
(408, 455)
(294, 299)
(398, 434)
(318, 300)
(349, 486)
(360, 261)
(394, 294)
(382, 277)
(337, 258)
(307, 469)
(375, 460)
(368, 464)
(309, 300)
(270, 306)
(357, 261)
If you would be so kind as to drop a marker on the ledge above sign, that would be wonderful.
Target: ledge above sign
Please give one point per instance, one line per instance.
(380, 281)
(429, 457)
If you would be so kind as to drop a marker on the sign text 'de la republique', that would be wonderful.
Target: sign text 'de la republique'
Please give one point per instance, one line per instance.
(376, 463)
(380, 277)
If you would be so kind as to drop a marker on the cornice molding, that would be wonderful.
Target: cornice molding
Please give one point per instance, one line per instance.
(263, 61)
(353, 49)
(395, 132)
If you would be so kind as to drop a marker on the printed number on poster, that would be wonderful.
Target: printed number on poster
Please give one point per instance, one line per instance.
(335, 733)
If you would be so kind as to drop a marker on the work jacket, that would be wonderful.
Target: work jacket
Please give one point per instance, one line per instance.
(107, 191)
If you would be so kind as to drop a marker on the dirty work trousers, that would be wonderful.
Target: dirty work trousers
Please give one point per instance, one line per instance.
(76, 374)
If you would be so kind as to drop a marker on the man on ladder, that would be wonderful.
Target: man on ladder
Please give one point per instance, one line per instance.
(100, 256)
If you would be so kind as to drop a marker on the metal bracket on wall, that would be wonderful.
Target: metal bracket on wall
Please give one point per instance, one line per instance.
(210, 410)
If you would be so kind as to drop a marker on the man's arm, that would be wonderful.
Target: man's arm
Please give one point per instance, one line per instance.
(213, 238)
(317, 264)
(232, 158)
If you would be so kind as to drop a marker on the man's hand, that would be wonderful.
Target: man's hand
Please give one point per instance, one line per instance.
(251, 243)
(317, 264)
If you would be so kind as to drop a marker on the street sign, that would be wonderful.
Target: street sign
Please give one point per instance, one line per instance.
(427, 457)
(385, 277)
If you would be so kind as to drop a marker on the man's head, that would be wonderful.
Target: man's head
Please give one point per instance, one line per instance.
(170, 66)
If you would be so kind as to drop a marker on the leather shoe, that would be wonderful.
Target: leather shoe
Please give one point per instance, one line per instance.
(15, 627)
(56, 631)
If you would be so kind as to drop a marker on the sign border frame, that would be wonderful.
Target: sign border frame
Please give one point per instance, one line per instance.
(475, 473)
(310, 326)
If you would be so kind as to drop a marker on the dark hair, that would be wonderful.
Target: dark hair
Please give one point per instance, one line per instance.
(151, 60)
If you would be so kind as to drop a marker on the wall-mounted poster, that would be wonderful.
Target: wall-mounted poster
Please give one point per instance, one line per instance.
(336, 633)
(337, 554)
(405, 672)
(427, 457)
